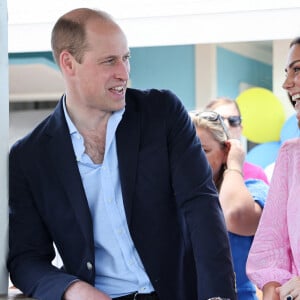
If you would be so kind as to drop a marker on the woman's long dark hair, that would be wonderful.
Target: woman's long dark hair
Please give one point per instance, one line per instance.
(295, 41)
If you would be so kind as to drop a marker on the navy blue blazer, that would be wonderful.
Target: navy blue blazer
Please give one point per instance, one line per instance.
(171, 205)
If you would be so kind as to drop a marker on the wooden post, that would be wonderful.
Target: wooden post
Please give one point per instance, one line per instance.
(4, 131)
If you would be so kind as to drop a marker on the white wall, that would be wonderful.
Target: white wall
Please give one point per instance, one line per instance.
(22, 122)
(206, 74)
(4, 96)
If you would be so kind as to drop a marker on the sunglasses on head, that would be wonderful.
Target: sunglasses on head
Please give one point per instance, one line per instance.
(234, 121)
(211, 116)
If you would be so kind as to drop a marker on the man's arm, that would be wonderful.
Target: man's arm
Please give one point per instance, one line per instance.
(197, 198)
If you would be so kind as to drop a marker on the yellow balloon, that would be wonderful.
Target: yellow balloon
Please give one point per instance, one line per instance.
(262, 114)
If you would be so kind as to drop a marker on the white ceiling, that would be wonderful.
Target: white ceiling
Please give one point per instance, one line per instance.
(161, 22)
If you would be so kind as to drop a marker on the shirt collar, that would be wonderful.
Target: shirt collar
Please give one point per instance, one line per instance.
(117, 115)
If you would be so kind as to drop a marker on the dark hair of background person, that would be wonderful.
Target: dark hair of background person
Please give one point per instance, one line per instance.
(295, 41)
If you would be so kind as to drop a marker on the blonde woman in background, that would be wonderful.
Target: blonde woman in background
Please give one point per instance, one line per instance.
(242, 200)
(231, 115)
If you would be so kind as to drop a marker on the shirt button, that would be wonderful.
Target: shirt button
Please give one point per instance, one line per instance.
(89, 266)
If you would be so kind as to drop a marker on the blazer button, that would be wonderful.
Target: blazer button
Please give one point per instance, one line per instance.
(89, 266)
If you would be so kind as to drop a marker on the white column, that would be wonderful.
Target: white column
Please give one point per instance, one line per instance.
(4, 125)
(205, 77)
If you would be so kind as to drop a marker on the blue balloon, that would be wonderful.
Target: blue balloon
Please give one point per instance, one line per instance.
(289, 129)
(263, 154)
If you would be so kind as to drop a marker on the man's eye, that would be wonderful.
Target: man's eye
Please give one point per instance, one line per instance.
(109, 61)
(126, 57)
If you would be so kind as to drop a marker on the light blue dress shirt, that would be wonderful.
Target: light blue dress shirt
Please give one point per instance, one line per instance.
(119, 269)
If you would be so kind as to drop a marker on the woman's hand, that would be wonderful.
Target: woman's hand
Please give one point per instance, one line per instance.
(270, 291)
(290, 290)
(236, 154)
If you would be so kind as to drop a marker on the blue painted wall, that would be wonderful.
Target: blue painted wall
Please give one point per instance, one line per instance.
(32, 57)
(233, 69)
(173, 67)
(168, 67)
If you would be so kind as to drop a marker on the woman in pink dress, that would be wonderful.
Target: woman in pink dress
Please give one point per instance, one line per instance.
(274, 260)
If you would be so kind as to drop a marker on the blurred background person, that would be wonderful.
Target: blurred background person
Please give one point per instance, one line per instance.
(231, 116)
(242, 200)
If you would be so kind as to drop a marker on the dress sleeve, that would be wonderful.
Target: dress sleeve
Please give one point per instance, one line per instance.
(269, 257)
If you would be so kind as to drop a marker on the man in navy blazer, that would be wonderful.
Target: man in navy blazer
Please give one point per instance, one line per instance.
(117, 179)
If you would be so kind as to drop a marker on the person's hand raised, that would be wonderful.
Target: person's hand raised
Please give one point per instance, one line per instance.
(236, 154)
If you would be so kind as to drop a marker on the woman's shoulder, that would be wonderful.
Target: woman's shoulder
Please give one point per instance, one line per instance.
(291, 144)
(289, 151)
(258, 189)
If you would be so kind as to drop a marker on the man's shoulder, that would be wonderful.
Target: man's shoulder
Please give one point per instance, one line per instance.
(158, 99)
(132, 93)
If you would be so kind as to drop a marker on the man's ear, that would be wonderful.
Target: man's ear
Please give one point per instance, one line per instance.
(67, 62)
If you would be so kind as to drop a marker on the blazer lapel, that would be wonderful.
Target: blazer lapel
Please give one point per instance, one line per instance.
(128, 137)
(60, 150)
